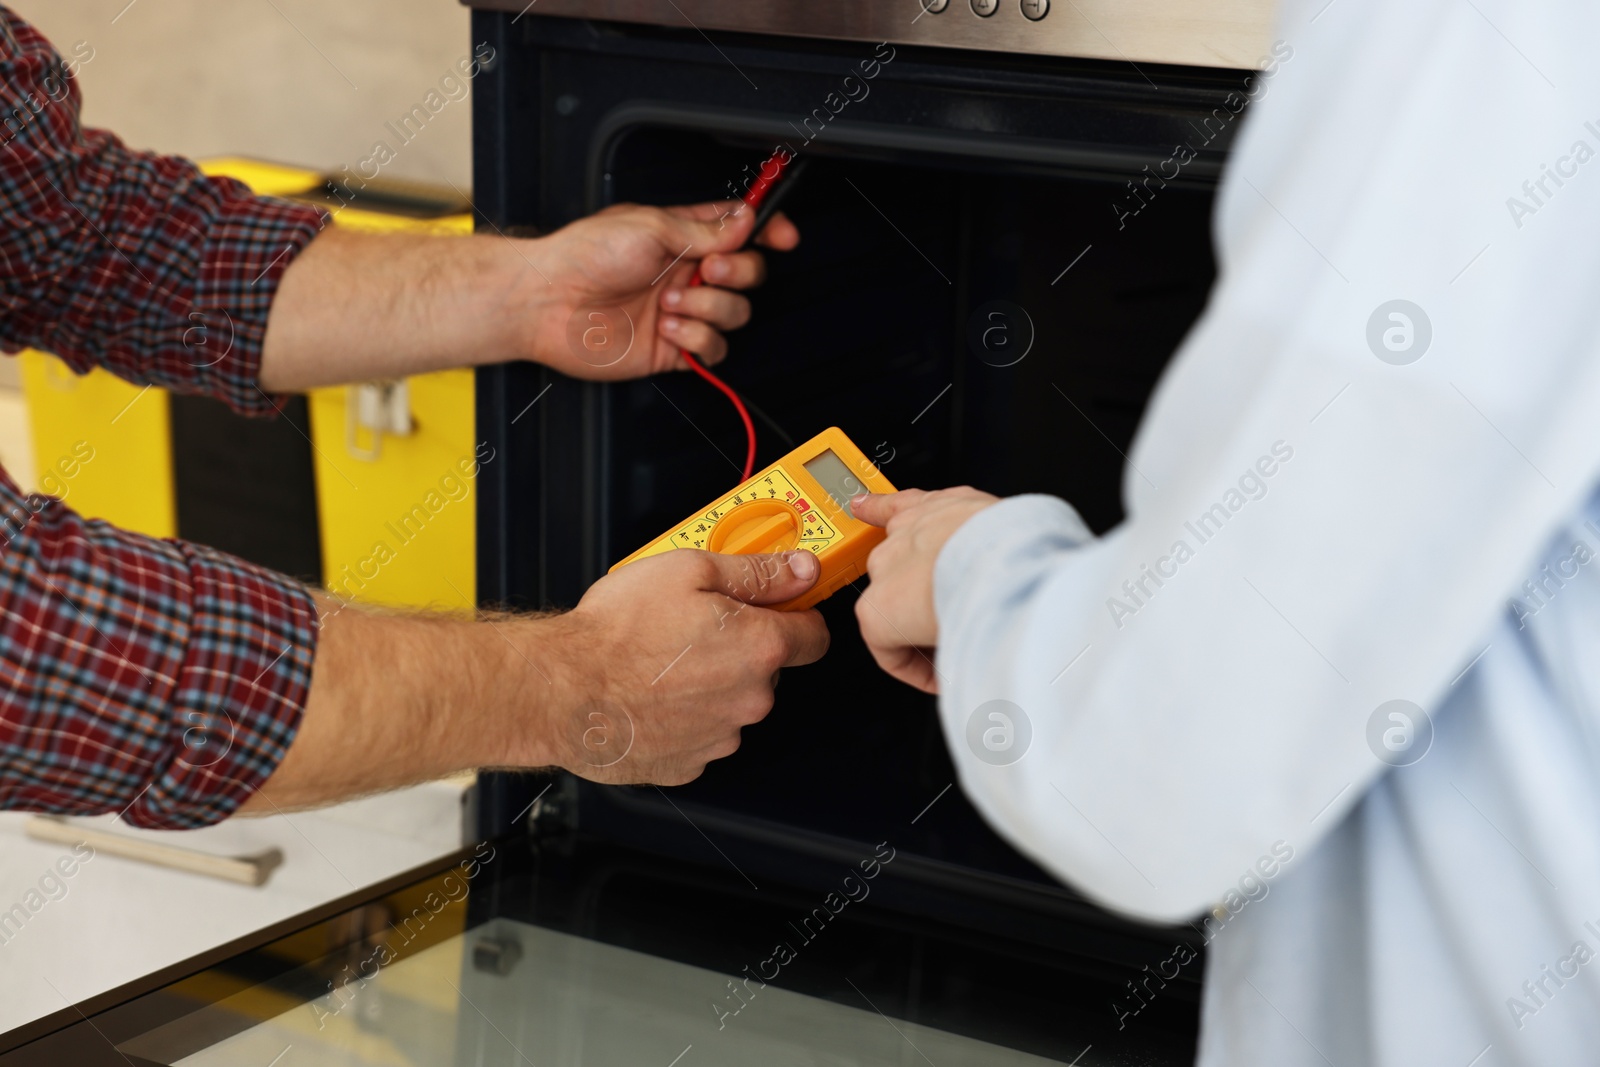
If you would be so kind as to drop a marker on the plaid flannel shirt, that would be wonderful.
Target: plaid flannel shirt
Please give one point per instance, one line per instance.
(154, 678)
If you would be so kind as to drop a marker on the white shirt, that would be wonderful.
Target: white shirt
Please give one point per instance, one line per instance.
(1354, 529)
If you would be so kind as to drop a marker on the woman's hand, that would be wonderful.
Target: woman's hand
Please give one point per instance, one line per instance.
(896, 612)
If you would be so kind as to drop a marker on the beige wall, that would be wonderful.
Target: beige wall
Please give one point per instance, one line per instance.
(302, 81)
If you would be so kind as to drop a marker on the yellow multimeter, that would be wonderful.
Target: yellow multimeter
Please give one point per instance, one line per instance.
(801, 501)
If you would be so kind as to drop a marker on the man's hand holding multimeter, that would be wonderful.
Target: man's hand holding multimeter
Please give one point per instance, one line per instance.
(665, 661)
(681, 645)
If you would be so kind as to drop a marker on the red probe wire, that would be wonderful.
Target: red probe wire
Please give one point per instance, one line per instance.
(771, 171)
(744, 415)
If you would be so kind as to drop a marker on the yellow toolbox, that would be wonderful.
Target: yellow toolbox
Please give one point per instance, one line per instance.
(101, 444)
(395, 463)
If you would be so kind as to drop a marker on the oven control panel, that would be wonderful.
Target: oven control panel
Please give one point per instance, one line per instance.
(1204, 33)
(1034, 10)
(802, 501)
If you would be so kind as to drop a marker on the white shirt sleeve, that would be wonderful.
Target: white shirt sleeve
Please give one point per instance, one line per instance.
(1312, 530)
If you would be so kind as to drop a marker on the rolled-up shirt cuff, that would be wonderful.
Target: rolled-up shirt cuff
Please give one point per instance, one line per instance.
(249, 245)
(239, 695)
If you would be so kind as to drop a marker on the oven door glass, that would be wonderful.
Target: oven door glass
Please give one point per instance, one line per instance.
(579, 951)
(570, 1000)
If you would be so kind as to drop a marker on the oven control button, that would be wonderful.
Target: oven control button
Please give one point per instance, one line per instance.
(985, 7)
(933, 7)
(1036, 9)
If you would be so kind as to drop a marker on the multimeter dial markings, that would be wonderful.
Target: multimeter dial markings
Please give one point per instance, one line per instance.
(815, 529)
(766, 514)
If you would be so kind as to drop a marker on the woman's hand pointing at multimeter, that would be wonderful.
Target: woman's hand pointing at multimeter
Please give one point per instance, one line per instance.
(896, 611)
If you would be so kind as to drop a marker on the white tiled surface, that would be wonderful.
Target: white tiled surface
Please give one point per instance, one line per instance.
(119, 920)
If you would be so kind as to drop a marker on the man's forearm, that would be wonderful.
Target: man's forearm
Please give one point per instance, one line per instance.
(359, 306)
(397, 700)
(652, 675)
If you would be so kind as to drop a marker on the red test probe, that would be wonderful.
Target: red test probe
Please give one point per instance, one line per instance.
(772, 171)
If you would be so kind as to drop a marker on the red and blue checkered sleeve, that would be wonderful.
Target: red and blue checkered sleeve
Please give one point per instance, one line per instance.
(154, 678)
(128, 260)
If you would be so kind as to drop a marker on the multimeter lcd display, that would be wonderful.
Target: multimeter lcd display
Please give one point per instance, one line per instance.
(836, 479)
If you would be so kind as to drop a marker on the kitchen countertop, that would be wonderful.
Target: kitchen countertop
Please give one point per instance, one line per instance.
(115, 920)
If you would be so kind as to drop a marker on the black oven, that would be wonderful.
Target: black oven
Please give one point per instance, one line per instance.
(1001, 249)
